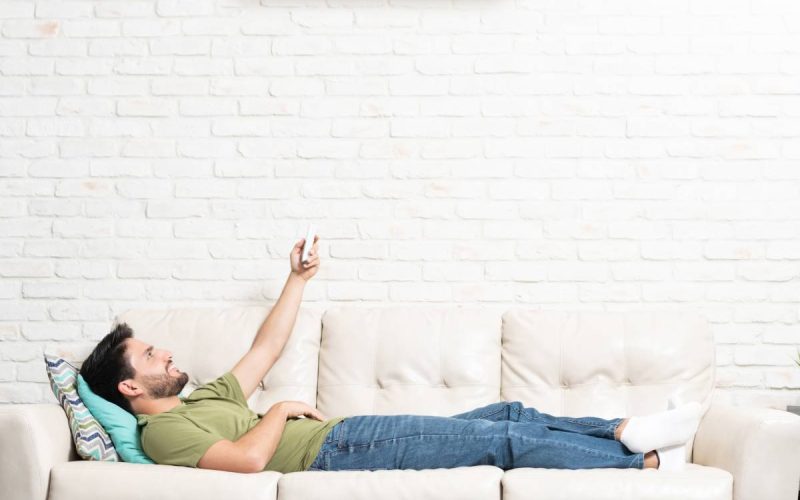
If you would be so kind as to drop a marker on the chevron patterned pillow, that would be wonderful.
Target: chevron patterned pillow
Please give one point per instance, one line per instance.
(91, 440)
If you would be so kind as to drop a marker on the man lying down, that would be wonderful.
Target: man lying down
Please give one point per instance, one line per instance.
(213, 428)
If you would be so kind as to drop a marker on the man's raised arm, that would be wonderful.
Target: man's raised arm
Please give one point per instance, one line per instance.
(277, 327)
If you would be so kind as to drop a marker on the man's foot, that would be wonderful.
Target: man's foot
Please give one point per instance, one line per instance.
(672, 457)
(663, 429)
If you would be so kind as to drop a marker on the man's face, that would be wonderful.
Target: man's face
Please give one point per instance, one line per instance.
(154, 370)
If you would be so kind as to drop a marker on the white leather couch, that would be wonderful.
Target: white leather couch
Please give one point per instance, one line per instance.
(435, 360)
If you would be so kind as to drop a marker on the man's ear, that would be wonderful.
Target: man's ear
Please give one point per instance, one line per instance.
(130, 388)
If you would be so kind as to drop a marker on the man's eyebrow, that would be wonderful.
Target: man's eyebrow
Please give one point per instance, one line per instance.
(147, 350)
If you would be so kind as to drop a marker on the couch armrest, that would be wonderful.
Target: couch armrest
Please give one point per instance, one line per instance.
(760, 447)
(35, 437)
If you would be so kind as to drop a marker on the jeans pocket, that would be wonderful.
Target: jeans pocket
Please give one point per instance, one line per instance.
(334, 435)
(339, 434)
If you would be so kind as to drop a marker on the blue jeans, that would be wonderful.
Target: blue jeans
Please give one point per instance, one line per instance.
(505, 434)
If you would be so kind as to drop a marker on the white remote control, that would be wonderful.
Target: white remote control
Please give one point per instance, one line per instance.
(309, 242)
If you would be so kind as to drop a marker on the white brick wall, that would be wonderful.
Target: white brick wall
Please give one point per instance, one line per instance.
(617, 154)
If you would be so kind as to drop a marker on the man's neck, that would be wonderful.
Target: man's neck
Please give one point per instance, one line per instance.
(156, 406)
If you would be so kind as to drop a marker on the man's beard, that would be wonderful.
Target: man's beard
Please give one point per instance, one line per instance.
(164, 386)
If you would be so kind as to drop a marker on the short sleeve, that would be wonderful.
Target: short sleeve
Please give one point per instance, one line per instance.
(226, 386)
(174, 441)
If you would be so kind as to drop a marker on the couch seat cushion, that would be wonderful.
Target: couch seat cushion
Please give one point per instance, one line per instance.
(79, 480)
(694, 482)
(464, 483)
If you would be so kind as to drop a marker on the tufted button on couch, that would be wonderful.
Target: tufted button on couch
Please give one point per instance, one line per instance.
(435, 360)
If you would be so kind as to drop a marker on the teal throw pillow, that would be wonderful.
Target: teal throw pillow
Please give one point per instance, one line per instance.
(121, 425)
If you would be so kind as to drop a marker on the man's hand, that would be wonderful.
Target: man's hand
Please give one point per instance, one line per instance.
(296, 408)
(305, 271)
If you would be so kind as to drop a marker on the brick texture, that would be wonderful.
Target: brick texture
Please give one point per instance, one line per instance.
(619, 155)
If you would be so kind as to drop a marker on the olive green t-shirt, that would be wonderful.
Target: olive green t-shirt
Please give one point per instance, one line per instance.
(216, 411)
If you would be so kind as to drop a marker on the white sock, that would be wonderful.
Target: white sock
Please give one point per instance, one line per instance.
(659, 430)
(672, 457)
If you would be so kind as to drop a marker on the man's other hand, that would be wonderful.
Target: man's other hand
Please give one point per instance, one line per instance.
(297, 408)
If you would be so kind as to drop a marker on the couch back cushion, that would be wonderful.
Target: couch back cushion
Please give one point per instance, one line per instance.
(430, 360)
(207, 342)
(442, 360)
(606, 364)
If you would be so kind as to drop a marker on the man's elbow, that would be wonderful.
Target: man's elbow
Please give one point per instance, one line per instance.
(256, 464)
(253, 461)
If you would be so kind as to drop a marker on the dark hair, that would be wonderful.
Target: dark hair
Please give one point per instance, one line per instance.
(107, 366)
